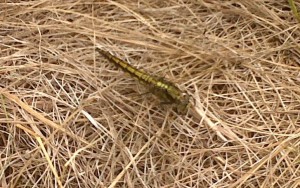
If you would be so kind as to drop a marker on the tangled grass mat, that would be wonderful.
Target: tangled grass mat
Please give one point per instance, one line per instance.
(70, 118)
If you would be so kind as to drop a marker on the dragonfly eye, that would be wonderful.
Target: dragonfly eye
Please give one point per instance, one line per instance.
(184, 104)
(186, 98)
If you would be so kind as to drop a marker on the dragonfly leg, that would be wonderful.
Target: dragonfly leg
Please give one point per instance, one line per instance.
(146, 93)
(166, 102)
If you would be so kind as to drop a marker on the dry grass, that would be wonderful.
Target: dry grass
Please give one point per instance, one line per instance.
(69, 118)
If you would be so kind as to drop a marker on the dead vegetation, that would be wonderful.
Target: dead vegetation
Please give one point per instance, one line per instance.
(69, 118)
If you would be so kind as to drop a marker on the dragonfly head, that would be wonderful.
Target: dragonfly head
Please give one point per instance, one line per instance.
(183, 104)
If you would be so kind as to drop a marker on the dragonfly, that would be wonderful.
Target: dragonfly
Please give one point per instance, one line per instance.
(165, 90)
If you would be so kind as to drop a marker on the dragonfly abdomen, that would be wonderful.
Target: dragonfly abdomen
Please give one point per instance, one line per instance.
(140, 75)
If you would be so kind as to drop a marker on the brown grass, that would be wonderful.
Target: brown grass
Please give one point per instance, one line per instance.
(69, 118)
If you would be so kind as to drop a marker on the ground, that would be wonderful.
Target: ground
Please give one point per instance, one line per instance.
(70, 118)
